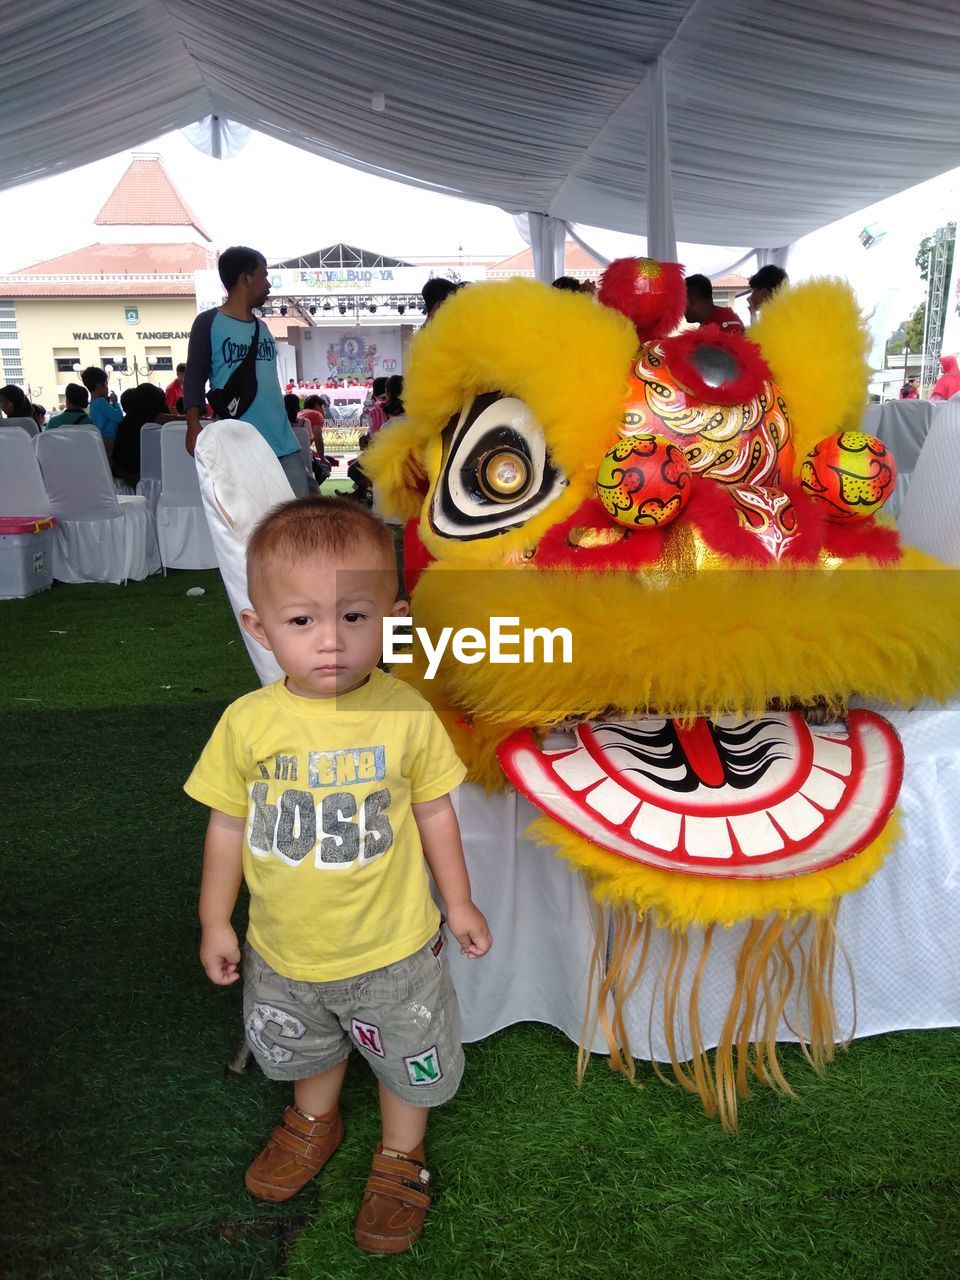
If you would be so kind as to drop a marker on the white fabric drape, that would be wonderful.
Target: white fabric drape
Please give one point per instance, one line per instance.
(773, 257)
(491, 102)
(217, 137)
(661, 233)
(576, 234)
(546, 237)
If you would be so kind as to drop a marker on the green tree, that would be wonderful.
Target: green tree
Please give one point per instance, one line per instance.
(908, 332)
(913, 329)
(926, 245)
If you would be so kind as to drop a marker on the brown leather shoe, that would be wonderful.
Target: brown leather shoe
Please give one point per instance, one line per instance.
(297, 1151)
(395, 1203)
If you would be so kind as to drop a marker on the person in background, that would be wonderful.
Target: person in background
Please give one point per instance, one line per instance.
(948, 384)
(393, 399)
(568, 283)
(373, 416)
(763, 285)
(104, 415)
(313, 414)
(75, 414)
(39, 415)
(141, 405)
(175, 388)
(291, 405)
(372, 420)
(435, 292)
(345, 946)
(14, 403)
(219, 340)
(910, 389)
(702, 310)
(295, 416)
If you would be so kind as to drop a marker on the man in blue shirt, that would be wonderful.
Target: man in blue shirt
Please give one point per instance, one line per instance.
(104, 414)
(220, 339)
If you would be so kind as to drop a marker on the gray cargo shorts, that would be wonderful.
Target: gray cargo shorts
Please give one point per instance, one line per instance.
(403, 1018)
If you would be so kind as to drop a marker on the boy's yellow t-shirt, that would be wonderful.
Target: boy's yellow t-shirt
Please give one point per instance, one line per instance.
(331, 852)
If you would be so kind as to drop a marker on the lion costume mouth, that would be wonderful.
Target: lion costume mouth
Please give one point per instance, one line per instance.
(741, 799)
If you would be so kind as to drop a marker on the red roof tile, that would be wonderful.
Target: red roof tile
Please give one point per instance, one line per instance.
(132, 288)
(112, 271)
(574, 259)
(125, 259)
(145, 196)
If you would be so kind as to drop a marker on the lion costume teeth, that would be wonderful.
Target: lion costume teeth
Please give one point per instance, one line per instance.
(705, 589)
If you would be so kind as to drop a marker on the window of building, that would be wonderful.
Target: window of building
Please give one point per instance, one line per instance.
(64, 358)
(117, 358)
(160, 359)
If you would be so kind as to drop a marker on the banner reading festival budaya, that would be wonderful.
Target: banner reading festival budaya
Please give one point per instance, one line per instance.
(316, 281)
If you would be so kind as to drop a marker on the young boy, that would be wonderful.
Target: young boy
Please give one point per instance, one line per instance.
(329, 793)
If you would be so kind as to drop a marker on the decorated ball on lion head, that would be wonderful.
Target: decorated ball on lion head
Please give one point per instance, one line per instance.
(578, 465)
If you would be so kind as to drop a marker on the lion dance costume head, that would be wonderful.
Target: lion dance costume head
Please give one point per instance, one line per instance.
(698, 510)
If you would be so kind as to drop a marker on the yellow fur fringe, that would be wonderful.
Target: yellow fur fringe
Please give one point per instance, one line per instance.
(714, 643)
(784, 973)
(815, 341)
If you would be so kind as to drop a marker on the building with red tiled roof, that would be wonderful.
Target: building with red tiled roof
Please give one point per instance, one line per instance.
(128, 300)
(576, 262)
(146, 196)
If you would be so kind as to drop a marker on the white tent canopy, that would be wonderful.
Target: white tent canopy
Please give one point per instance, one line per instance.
(781, 116)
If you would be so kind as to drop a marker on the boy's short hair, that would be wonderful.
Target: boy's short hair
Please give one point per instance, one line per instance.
(307, 526)
(92, 377)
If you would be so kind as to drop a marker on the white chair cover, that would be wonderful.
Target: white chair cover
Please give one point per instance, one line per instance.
(28, 425)
(930, 517)
(902, 425)
(149, 484)
(21, 484)
(185, 541)
(240, 479)
(100, 537)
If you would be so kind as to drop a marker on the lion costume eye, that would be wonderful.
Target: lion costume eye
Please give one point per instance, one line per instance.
(496, 472)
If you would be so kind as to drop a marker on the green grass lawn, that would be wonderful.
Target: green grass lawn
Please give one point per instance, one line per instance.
(123, 1143)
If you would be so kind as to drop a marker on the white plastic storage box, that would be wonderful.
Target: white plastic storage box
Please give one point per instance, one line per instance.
(26, 555)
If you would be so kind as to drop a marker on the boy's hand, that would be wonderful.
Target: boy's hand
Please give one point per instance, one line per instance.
(220, 955)
(469, 927)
